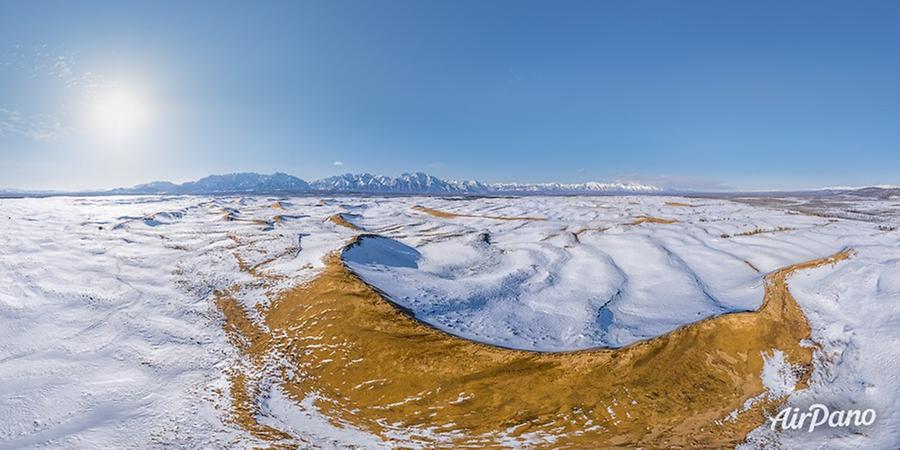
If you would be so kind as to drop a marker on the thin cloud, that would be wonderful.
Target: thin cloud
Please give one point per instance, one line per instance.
(338, 163)
(37, 127)
(43, 62)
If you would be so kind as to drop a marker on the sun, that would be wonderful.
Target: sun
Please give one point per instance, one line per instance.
(119, 113)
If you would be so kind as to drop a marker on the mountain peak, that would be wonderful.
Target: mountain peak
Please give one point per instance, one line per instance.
(416, 183)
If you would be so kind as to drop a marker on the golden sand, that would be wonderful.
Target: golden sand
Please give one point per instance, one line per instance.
(450, 215)
(374, 367)
(647, 219)
(263, 222)
(680, 204)
(339, 219)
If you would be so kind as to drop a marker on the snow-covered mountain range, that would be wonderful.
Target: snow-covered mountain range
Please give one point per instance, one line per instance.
(424, 184)
(230, 183)
(365, 183)
(417, 183)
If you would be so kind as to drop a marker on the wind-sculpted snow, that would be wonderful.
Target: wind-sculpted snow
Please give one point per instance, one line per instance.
(542, 297)
(549, 285)
(382, 252)
(108, 334)
(111, 334)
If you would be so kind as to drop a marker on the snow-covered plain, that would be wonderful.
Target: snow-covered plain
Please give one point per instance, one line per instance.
(109, 336)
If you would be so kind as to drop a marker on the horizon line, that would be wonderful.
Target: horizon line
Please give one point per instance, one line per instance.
(658, 190)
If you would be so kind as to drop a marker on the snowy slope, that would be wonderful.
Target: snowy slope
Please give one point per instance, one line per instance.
(109, 336)
(585, 277)
(574, 188)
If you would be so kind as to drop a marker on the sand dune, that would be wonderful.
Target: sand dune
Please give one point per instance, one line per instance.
(193, 331)
(661, 392)
(341, 219)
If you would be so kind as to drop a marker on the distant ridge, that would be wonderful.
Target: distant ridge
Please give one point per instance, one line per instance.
(230, 183)
(366, 183)
(424, 184)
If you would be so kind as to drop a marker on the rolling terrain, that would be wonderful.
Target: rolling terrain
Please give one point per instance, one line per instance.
(333, 321)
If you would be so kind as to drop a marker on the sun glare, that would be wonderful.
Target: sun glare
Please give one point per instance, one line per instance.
(119, 114)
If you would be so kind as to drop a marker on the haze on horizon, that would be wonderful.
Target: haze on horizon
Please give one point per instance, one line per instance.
(753, 95)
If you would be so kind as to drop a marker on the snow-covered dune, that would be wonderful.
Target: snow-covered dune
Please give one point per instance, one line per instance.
(585, 276)
(110, 335)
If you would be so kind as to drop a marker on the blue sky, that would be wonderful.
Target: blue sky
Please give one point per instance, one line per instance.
(750, 95)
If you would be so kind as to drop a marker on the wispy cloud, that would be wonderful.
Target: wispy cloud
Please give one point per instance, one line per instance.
(338, 163)
(64, 69)
(37, 127)
(45, 63)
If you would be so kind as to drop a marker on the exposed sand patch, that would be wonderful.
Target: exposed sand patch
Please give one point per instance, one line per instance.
(376, 368)
(263, 222)
(339, 219)
(450, 215)
(244, 409)
(648, 219)
(680, 204)
(244, 334)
